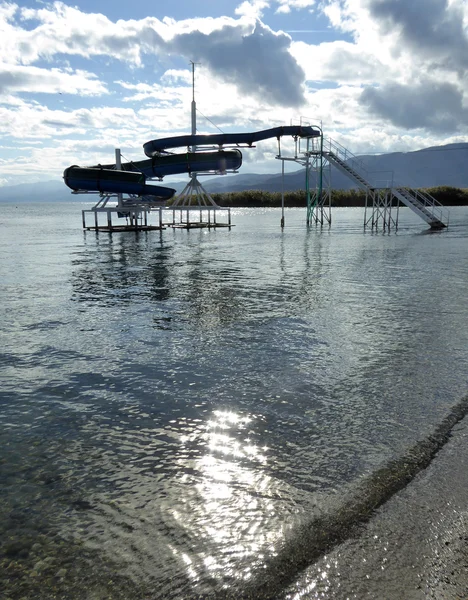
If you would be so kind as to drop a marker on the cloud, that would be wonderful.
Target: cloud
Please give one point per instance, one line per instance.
(247, 54)
(433, 28)
(252, 9)
(432, 33)
(61, 29)
(32, 121)
(285, 6)
(434, 106)
(258, 61)
(414, 55)
(169, 95)
(14, 79)
(250, 77)
(340, 62)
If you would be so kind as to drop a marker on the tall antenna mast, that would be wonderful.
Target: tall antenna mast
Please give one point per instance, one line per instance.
(194, 104)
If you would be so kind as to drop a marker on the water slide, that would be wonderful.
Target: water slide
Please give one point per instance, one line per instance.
(132, 177)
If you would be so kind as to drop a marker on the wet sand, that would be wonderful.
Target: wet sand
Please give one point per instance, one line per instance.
(416, 545)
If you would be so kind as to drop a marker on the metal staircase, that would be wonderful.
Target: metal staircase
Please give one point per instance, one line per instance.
(424, 205)
(382, 192)
(347, 163)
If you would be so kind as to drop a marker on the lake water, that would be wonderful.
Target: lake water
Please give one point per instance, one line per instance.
(181, 408)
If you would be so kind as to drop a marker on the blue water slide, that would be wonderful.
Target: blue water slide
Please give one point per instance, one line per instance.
(187, 162)
(110, 181)
(131, 177)
(152, 147)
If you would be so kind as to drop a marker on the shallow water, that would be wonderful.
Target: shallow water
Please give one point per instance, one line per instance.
(179, 403)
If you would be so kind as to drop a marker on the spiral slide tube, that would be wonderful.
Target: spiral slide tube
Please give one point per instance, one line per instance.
(131, 178)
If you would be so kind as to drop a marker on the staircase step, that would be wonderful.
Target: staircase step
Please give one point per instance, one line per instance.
(422, 204)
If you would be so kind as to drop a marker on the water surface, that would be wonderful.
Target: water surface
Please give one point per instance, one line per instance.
(177, 404)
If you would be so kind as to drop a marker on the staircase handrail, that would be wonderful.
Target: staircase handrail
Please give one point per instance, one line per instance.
(420, 201)
(345, 155)
(434, 204)
(431, 204)
(337, 150)
(427, 199)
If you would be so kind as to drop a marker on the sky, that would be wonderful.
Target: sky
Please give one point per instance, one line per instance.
(79, 79)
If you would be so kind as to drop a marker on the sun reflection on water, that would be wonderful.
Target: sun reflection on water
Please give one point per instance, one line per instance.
(235, 506)
(193, 504)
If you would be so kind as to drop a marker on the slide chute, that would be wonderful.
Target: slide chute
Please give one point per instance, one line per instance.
(132, 177)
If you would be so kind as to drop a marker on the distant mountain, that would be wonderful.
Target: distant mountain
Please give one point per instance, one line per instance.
(431, 167)
(45, 191)
(252, 181)
(52, 191)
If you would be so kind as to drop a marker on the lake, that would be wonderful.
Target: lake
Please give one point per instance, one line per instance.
(186, 413)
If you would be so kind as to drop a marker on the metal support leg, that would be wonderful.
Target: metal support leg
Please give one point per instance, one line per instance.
(282, 195)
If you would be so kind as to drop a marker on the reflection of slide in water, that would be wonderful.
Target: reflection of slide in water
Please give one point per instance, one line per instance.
(131, 178)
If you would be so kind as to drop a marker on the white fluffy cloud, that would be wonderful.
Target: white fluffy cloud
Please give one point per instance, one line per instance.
(77, 84)
(256, 60)
(413, 56)
(428, 104)
(63, 29)
(246, 53)
(252, 9)
(340, 62)
(18, 78)
(434, 30)
(285, 6)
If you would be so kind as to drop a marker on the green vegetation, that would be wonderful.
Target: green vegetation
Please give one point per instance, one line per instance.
(448, 196)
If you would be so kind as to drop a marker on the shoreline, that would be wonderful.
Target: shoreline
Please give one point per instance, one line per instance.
(446, 195)
(414, 547)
